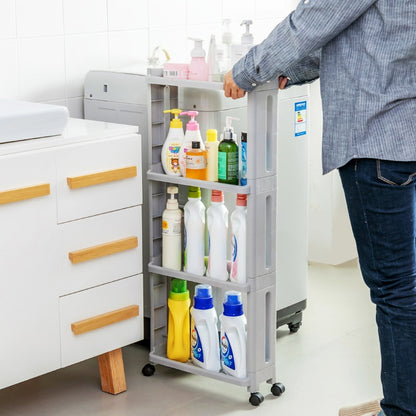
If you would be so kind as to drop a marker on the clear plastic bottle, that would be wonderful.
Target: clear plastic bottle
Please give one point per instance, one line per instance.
(204, 332)
(172, 232)
(196, 162)
(238, 240)
(192, 134)
(179, 343)
(194, 220)
(217, 224)
(233, 335)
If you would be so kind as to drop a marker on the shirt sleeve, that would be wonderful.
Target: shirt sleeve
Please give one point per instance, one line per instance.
(306, 30)
(306, 70)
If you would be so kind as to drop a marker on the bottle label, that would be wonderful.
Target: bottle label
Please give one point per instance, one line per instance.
(185, 249)
(227, 352)
(172, 227)
(243, 161)
(234, 267)
(172, 158)
(195, 162)
(227, 166)
(197, 351)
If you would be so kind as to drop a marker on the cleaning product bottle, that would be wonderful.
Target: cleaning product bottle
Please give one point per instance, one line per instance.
(243, 159)
(172, 232)
(217, 222)
(211, 145)
(172, 145)
(196, 162)
(204, 332)
(238, 240)
(233, 335)
(198, 68)
(247, 42)
(228, 155)
(192, 134)
(179, 345)
(194, 220)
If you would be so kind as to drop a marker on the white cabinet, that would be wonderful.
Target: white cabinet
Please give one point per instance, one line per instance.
(70, 248)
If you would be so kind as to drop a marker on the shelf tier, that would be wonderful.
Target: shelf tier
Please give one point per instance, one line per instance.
(173, 82)
(198, 279)
(180, 180)
(193, 369)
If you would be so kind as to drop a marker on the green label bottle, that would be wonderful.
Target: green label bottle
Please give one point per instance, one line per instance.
(228, 162)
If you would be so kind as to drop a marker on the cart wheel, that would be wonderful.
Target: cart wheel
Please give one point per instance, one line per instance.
(277, 389)
(294, 327)
(256, 399)
(148, 370)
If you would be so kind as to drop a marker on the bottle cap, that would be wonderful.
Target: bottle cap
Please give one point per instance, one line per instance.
(233, 306)
(196, 145)
(172, 202)
(244, 136)
(241, 200)
(192, 124)
(211, 135)
(175, 122)
(178, 290)
(217, 196)
(194, 192)
(197, 51)
(203, 297)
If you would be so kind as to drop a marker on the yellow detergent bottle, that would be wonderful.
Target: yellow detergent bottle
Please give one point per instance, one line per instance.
(179, 344)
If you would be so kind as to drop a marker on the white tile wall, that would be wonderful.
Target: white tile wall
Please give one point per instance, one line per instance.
(48, 46)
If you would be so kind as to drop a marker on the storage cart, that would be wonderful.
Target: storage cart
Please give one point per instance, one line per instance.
(260, 290)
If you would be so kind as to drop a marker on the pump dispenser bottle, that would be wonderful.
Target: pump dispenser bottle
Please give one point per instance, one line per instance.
(247, 42)
(198, 69)
(233, 335)
(217, 224)
(172, 145)
(204, 332)
(194, 220)
(172, 232)
(178, 345)
(228, 155)
(192, 134)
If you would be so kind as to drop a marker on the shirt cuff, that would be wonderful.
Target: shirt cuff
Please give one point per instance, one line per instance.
(241, 76)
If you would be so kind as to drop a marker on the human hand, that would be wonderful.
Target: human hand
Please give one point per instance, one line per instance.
(231, 89)
(282, 82)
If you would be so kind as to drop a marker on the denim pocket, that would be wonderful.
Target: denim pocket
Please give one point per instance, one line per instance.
(396, 173)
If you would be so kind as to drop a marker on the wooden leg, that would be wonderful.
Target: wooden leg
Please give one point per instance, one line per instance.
(113, 379)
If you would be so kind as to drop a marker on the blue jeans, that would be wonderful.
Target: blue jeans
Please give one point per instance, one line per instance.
(381, 200)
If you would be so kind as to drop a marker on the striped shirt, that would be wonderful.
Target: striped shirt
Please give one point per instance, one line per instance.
(364, 52)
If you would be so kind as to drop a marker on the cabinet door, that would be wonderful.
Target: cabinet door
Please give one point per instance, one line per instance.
(29, 308)
(98, 177)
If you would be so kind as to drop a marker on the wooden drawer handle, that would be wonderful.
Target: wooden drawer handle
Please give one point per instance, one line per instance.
(101, 177)
(105, 319)
(102, 250)
(21, 194)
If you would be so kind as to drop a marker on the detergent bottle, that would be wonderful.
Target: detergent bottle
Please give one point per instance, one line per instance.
(172, 232)
(178, 346)
(204, 332)
(172, 145)
(238, 240)
(228, 155)
(194, 239)
(233, 335)
(217, 224)
(192, 134)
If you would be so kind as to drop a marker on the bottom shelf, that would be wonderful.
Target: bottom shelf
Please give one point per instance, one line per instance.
(188, 367)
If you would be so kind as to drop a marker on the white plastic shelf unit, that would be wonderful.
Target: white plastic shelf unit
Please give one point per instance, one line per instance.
(261, 232)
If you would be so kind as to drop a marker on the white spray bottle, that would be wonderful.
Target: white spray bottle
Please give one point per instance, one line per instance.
(172, 232)
(192, 134)
(172, 145)
(204, 332)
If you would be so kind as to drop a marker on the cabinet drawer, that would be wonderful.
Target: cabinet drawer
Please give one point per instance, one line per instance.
(98, 177)
(101, 319)
(100, 249)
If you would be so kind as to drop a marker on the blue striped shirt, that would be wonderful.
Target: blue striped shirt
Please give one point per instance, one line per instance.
(364, 52)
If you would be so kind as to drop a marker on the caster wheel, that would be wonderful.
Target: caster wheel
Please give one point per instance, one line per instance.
(256, 399)
(148, 370)
(277, 389)
(294, 327)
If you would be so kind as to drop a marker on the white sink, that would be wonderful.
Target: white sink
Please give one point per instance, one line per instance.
(20, 120)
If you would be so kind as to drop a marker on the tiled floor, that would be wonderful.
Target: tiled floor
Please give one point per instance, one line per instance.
(332, 361)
